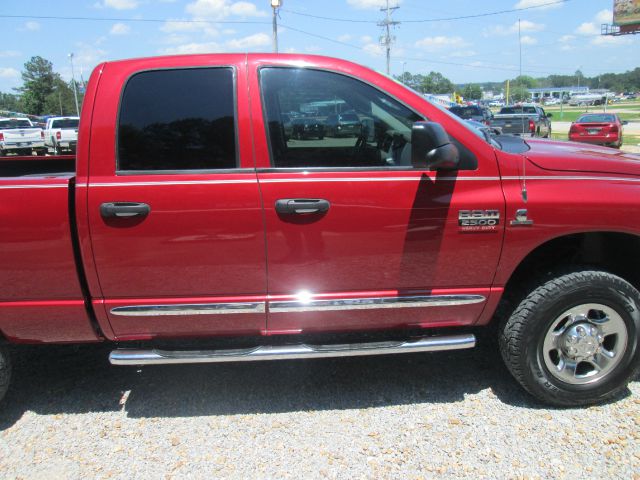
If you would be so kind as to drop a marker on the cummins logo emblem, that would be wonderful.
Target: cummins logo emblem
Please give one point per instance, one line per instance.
(478, 218)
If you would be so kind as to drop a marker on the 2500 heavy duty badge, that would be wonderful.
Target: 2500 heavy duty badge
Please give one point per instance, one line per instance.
(478, 218)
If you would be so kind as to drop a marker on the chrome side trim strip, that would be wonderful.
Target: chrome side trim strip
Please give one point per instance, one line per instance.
(189, 309)
(580, 178)
(374, 303)
(289, 352)
(53, 185)
(370, 179)
(176, 182)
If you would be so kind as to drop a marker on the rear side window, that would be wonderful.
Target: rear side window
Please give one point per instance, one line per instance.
(65, 123)
(14, 123)
(596, 118)
(181, 119)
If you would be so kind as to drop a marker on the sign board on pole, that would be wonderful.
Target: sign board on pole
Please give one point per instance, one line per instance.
(626, 12)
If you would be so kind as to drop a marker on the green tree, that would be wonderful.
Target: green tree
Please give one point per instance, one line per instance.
(526, 81)
(410, 80)
(472, 91)
(38, 82)
(519, 86)
(437, 83)
(61, 101)
(9, 102)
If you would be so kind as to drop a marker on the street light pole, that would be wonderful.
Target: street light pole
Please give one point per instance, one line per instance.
(403, 65)
(73, 80)
(275, 4)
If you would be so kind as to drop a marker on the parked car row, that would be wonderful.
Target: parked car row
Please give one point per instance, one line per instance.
(303, 126)
(21, 136)
(530, 120)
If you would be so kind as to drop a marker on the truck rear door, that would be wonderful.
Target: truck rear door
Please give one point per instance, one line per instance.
(174, 211)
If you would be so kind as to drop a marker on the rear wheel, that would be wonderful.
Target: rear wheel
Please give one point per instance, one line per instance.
(574, 340)
(5, 370)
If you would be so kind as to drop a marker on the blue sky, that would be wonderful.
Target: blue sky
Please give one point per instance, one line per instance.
(557, 38)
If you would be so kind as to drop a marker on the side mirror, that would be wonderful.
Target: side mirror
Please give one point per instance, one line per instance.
(625, 122)
(431, 147)
(549, 115)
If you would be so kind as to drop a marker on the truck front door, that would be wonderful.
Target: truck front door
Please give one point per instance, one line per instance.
(356, 237)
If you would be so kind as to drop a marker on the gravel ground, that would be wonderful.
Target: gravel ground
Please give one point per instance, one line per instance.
(70, 414)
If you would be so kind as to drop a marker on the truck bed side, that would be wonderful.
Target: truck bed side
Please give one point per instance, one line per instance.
(41, 299)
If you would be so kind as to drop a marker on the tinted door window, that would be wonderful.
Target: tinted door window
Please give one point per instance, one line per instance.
(336, 121)
(180, 119)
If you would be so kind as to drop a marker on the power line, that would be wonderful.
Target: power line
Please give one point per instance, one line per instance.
(140, 20)
(315, 35)
(508, 68)
(487, 66)
(332, 19)
(488, 14)
(426, 20)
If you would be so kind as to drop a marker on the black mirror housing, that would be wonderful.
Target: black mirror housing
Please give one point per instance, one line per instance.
(431, 147)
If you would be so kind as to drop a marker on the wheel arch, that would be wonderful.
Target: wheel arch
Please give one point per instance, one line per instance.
(614, 252)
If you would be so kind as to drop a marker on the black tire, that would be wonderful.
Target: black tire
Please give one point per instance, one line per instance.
(5, 371)
(56, 149)
(522, 336)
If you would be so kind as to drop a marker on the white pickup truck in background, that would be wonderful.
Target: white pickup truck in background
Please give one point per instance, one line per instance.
(19, 135)
(61, 133)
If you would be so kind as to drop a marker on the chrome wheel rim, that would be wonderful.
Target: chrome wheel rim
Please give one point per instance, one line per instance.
(585, 344)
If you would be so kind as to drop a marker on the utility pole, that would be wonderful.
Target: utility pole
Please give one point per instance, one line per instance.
(275, 4)
(73, 80)
(387, 39)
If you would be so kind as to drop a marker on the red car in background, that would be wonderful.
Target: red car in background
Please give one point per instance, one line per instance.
(598, 128)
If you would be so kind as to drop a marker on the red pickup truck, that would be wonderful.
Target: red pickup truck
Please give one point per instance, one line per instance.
(192, 228)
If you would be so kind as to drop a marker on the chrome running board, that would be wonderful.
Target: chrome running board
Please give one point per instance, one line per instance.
(288, 352)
